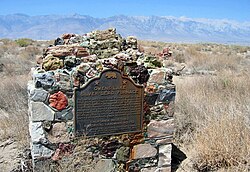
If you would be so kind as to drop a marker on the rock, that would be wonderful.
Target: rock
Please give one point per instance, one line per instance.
(36, 131)
(39, 151)
(47, 125)
(166, 95)
(164, 169)
(44, 80)
(41, 112)
(66, 114)
(160, 128)
(70, 61)
(59, 41)
(106, 165)
(63, 80)
(58, 129)
(143, 151)
(155, 169)
(58, 133)
(51, 62)
(63, 149)
(80, 52)
(131, 42)
(30, 86)
(164, 141)
(58, 100)
(60, 51)
(38, 95)
(109, 148)
(158, 76)
(165, 155)
(138, 164)
(140, 73)
(150, 169)
(122, 154)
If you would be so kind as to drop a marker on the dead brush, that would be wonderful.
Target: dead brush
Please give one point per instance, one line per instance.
(215, 62)
(212, 116)
(14, 124)
(223, 142)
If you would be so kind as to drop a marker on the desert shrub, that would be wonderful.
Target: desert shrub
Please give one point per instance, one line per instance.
(29, 53)
(24, 42)
(180, 58)
(7, 46)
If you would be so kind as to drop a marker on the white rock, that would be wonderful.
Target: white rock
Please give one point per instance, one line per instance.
(36, 131)
(165, 152)
(39, 151)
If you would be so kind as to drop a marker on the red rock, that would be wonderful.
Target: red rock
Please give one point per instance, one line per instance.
(56, 155)
(58, 101)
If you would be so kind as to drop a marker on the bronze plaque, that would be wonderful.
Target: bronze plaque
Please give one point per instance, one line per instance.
(110, 104)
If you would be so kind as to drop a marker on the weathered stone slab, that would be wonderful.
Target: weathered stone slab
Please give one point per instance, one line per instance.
(106, 165)
(36, 131)
(143, 151)
(41, 112)
(160, 128)
(165, 155)
(39, 151)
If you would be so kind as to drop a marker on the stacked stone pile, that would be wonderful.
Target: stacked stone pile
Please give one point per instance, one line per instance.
(70, 63)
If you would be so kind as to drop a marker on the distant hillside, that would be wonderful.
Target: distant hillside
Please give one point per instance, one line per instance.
(170, 29)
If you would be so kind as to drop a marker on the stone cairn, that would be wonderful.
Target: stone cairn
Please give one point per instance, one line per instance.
(70, 63)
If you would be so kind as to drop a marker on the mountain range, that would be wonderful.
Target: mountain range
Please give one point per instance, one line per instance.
(156, 28)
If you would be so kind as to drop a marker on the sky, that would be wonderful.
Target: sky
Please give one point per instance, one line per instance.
(238, 10)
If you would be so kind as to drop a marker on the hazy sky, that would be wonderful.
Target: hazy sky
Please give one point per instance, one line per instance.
(214, 9)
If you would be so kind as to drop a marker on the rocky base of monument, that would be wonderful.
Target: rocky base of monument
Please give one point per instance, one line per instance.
(122, 118)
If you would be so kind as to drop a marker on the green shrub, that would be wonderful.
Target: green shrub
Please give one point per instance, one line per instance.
(24, 42)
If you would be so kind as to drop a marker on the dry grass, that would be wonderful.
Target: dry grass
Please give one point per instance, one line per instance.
(14, 122)
(210, 61)
(15, 63)
(223, 142)
(213, 118)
